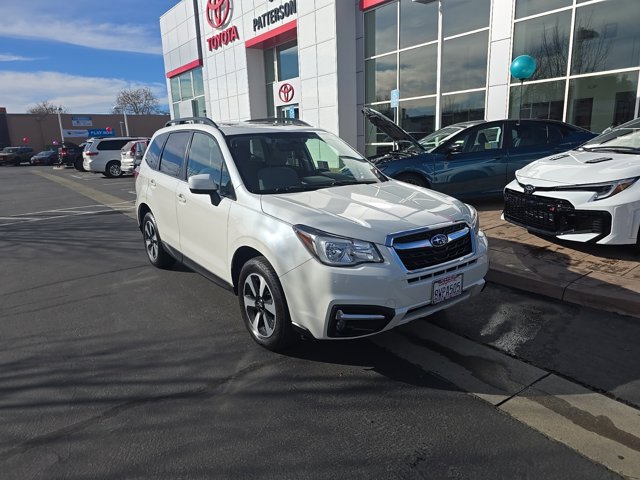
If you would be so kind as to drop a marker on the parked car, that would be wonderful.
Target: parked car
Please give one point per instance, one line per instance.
(46, 157)
(102, 155)
(71, 154)
(15, 155)
(472, 159)
(591, 194)
(131, 155)
(310, 236)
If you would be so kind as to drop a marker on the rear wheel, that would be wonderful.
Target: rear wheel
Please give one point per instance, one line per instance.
(413, 179)
(113, 169)
(156, 253)
(78, 165)
(264, 307)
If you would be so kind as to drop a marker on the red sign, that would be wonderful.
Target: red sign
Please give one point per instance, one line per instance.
(286, 92)
(223, 38)
(218, 12)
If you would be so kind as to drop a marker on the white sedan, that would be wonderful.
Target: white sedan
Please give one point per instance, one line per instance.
(591, 194)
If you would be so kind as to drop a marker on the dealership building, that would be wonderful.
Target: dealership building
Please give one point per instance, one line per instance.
(424, 63)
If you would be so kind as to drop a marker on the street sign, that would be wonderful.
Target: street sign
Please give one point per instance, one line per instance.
(395, 98)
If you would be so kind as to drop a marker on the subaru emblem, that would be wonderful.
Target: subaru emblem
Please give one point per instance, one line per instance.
(529, 189)
(439, 240)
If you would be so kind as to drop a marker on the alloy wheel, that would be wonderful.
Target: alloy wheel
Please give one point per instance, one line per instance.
(259, 305)
(151, 240)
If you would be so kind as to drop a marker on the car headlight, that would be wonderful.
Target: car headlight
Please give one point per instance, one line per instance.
(603, 190)
(337, 251)
(475, 220)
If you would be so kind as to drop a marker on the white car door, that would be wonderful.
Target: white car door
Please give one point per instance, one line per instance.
(202, 218)
(162, 186)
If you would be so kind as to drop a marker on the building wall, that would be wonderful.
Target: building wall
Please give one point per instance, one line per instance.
(42, 131)
(331, 37)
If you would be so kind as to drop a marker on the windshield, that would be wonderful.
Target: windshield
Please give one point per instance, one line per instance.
(624, 139)
(431, 141)
(298, 161)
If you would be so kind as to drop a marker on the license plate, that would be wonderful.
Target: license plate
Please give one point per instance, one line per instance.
(447, 288)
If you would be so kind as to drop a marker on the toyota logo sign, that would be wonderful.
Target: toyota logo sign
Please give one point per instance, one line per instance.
(529, 189)
(218, 12)
(286, 92)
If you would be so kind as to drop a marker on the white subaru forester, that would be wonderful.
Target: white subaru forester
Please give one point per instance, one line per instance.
(312, 238)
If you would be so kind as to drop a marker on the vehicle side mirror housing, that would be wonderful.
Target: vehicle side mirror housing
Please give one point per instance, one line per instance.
(453, 150)
(203, 184)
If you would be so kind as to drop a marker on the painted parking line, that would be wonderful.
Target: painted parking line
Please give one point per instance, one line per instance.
(111, 201)
(600, 428)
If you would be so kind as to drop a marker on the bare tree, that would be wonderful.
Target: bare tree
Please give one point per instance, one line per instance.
(136, 101)
(45, 107)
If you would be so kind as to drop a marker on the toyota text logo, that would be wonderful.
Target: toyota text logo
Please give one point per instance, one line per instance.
(439, 240)
(286, 92)
(218, 12)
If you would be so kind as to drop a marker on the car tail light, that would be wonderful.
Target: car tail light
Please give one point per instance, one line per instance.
(63, 151)
(136, 172)
(90, 154)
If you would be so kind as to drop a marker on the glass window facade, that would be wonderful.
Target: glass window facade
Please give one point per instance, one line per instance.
(280, 63)
(402, 41)
(188, 86)
(587, 76)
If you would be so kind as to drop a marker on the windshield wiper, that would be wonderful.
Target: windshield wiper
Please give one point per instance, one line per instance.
(292, 188)
(612, 148)
(339, 183)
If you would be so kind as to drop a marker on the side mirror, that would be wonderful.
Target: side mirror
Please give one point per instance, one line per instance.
(203, 184)
(453, 149)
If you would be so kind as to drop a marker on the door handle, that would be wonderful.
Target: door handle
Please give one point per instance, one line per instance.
(182, 198)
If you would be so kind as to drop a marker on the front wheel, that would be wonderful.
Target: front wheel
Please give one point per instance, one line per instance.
(156, 253)
(264, 307)
(413, 179)
(113, 169)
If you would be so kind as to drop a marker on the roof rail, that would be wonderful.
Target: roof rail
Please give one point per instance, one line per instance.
(279, 121)
(185, 120)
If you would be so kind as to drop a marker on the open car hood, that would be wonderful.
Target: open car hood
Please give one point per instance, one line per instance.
(390, 128)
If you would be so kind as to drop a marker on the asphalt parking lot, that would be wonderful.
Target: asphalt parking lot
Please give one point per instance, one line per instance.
(114, 369)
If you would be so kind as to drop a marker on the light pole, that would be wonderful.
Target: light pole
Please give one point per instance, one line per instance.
(59, 110)
(126, 123)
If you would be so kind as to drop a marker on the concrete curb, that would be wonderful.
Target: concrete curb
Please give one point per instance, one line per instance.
(603, 277)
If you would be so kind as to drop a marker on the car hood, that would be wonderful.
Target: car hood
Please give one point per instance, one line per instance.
(367, 212)
(390, 128)
(577, 167)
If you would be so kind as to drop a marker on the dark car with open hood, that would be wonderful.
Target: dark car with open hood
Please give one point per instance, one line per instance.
(471, 159)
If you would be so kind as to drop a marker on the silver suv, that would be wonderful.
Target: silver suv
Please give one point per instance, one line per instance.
(102, 155)
(312, 238)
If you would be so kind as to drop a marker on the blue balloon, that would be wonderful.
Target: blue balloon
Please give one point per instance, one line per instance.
(523, 67)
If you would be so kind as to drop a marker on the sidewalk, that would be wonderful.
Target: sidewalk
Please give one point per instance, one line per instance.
(598, 276)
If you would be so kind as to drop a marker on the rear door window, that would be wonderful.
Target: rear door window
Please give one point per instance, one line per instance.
(153, 154)
(174, 153)
(112, 144)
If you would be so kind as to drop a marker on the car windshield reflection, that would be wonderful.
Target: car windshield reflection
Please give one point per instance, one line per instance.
(298, 161)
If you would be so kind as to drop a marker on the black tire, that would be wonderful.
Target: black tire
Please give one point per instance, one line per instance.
(264, 306)
(113, 169)
(413, 179)
(78, 165)
(156, 253)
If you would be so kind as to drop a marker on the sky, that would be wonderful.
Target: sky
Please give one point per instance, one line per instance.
(79, 53)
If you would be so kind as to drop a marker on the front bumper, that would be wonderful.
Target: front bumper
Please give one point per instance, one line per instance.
(378, 297)
(571, 215)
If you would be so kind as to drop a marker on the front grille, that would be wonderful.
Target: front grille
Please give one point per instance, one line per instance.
(423, 257)
(553, 215)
